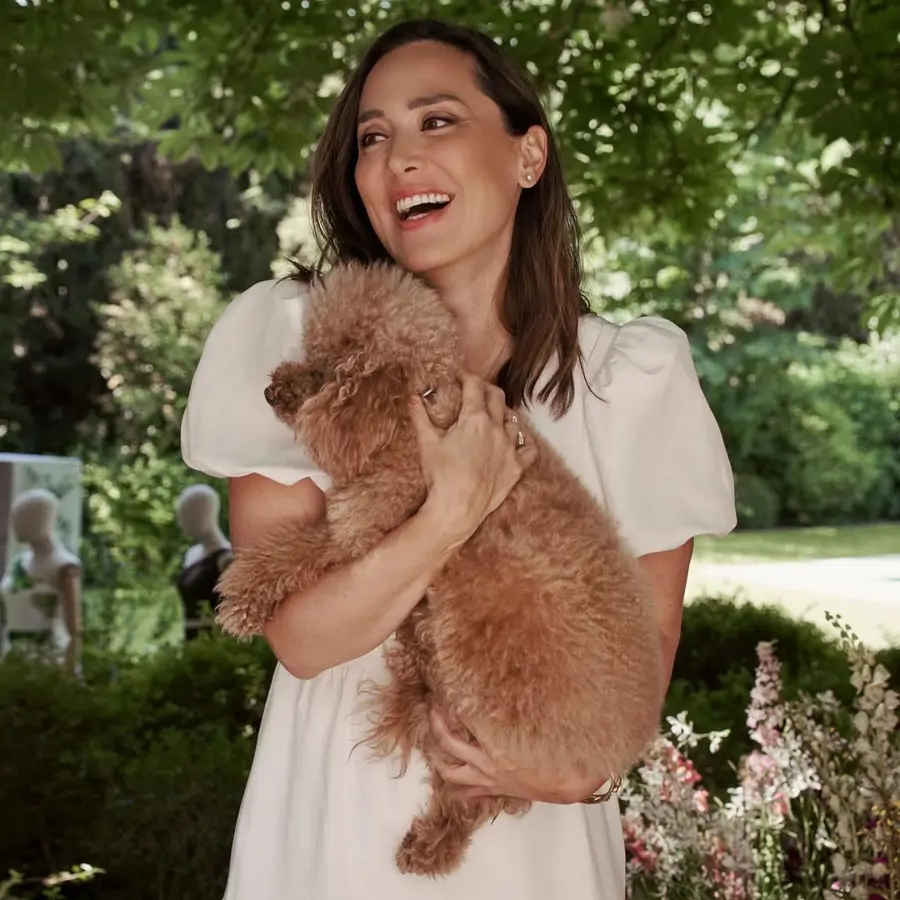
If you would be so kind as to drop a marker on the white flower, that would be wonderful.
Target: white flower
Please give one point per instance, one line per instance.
(682, 843)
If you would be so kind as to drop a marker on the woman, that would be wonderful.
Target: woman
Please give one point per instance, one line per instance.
(439, 157)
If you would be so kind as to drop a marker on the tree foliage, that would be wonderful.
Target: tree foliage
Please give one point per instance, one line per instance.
(735, 165)
(165, 295)
(656, 104)
(62, 237)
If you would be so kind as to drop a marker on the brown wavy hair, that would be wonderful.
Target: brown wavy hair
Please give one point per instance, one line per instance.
(542, 299)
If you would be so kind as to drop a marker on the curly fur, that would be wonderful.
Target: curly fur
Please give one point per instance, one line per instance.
(539, 633)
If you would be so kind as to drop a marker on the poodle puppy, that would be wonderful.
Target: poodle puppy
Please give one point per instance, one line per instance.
(537, 638)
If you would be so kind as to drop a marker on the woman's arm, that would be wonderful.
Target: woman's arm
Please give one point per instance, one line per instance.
(667, 573)
(351, 610)
(469, 469)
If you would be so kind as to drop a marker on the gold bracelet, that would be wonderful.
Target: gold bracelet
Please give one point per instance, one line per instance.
(601, 796)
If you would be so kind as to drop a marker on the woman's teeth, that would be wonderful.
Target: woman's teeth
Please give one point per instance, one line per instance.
(407, 206)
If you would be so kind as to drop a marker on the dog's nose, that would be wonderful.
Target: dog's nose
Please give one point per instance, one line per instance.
(269, 394)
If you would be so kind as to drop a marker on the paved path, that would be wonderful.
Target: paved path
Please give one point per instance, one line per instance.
(864, 591)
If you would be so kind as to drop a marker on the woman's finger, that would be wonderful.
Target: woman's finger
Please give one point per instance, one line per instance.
(513, 430)
(527, 456)
(495, 401)
(472, 394)
(465, 775)
(476, 791)
(459, 749)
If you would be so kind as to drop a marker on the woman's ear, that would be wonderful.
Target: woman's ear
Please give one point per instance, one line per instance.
(533, 156)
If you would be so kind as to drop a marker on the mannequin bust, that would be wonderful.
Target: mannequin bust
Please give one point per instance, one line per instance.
(41, 591)
(198, 515)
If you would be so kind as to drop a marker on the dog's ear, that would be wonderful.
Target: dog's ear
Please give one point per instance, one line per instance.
(290, 386)
(353, 417)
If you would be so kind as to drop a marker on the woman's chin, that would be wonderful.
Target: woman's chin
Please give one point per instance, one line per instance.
(425, 262)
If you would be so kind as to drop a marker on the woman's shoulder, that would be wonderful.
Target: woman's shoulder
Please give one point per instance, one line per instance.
(275, 303)
(258, 329)
(228, 429)
(643, 347)
(652, 435)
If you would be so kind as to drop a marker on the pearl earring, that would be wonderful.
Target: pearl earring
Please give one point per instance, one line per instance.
(529, 176)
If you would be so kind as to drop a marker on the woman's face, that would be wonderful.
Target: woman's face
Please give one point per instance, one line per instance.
(438, 173)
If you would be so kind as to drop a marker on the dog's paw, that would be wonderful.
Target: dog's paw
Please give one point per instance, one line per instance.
(239, 619)
(249, 599)
(431, 852)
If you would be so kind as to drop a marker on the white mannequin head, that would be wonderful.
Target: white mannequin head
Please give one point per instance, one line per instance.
(33, 516)
(198, 511)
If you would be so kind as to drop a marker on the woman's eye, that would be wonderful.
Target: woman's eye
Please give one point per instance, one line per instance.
(433, 122)
(368, 139)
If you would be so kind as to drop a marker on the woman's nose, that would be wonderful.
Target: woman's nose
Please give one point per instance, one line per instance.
(405, 155)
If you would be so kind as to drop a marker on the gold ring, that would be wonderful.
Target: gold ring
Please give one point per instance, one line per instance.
(520, 441)
(601, 796)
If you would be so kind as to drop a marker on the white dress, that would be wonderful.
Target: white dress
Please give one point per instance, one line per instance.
(320, 823)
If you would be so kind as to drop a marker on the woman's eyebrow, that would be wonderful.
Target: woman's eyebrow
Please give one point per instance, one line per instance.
(415, 103)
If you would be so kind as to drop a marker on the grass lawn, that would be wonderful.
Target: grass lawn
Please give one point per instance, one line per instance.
(874, 620)
(137, 621)
(795, 544)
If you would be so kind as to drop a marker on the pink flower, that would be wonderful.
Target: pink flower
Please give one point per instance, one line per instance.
(780, 805)
(764, 715)
(701, 801)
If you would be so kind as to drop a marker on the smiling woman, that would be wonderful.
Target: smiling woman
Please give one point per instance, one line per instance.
(472, 157)
(440, 111)
(438, 157)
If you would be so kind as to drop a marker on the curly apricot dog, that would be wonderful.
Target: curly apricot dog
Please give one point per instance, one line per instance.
(538, 635)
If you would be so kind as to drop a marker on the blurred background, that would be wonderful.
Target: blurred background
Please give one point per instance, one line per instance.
(736, 169)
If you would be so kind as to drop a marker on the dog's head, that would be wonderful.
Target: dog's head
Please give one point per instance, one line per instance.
(374, 337)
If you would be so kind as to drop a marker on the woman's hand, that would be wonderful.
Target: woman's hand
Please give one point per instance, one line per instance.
(472, 466)
(480, 773)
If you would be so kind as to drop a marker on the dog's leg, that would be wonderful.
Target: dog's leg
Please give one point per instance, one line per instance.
(437, 840)
(286, 560)
(399, 708)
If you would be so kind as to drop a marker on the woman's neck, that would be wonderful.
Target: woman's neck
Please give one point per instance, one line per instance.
(473, 297)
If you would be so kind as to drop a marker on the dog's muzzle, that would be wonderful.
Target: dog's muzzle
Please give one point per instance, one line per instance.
(270, 394)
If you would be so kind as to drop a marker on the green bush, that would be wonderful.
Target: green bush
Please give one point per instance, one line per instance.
(820, 425)
(716, 663)
(828, 476)
(169, 817)
(757, 503)
(141, 765)
(214, 682)
(54, 765)
(139, 769)
(865, 384)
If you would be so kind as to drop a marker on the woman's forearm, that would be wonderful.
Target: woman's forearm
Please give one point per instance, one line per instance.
(352, 610)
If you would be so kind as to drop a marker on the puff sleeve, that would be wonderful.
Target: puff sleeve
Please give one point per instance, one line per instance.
(663, 465)
(228, 429)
